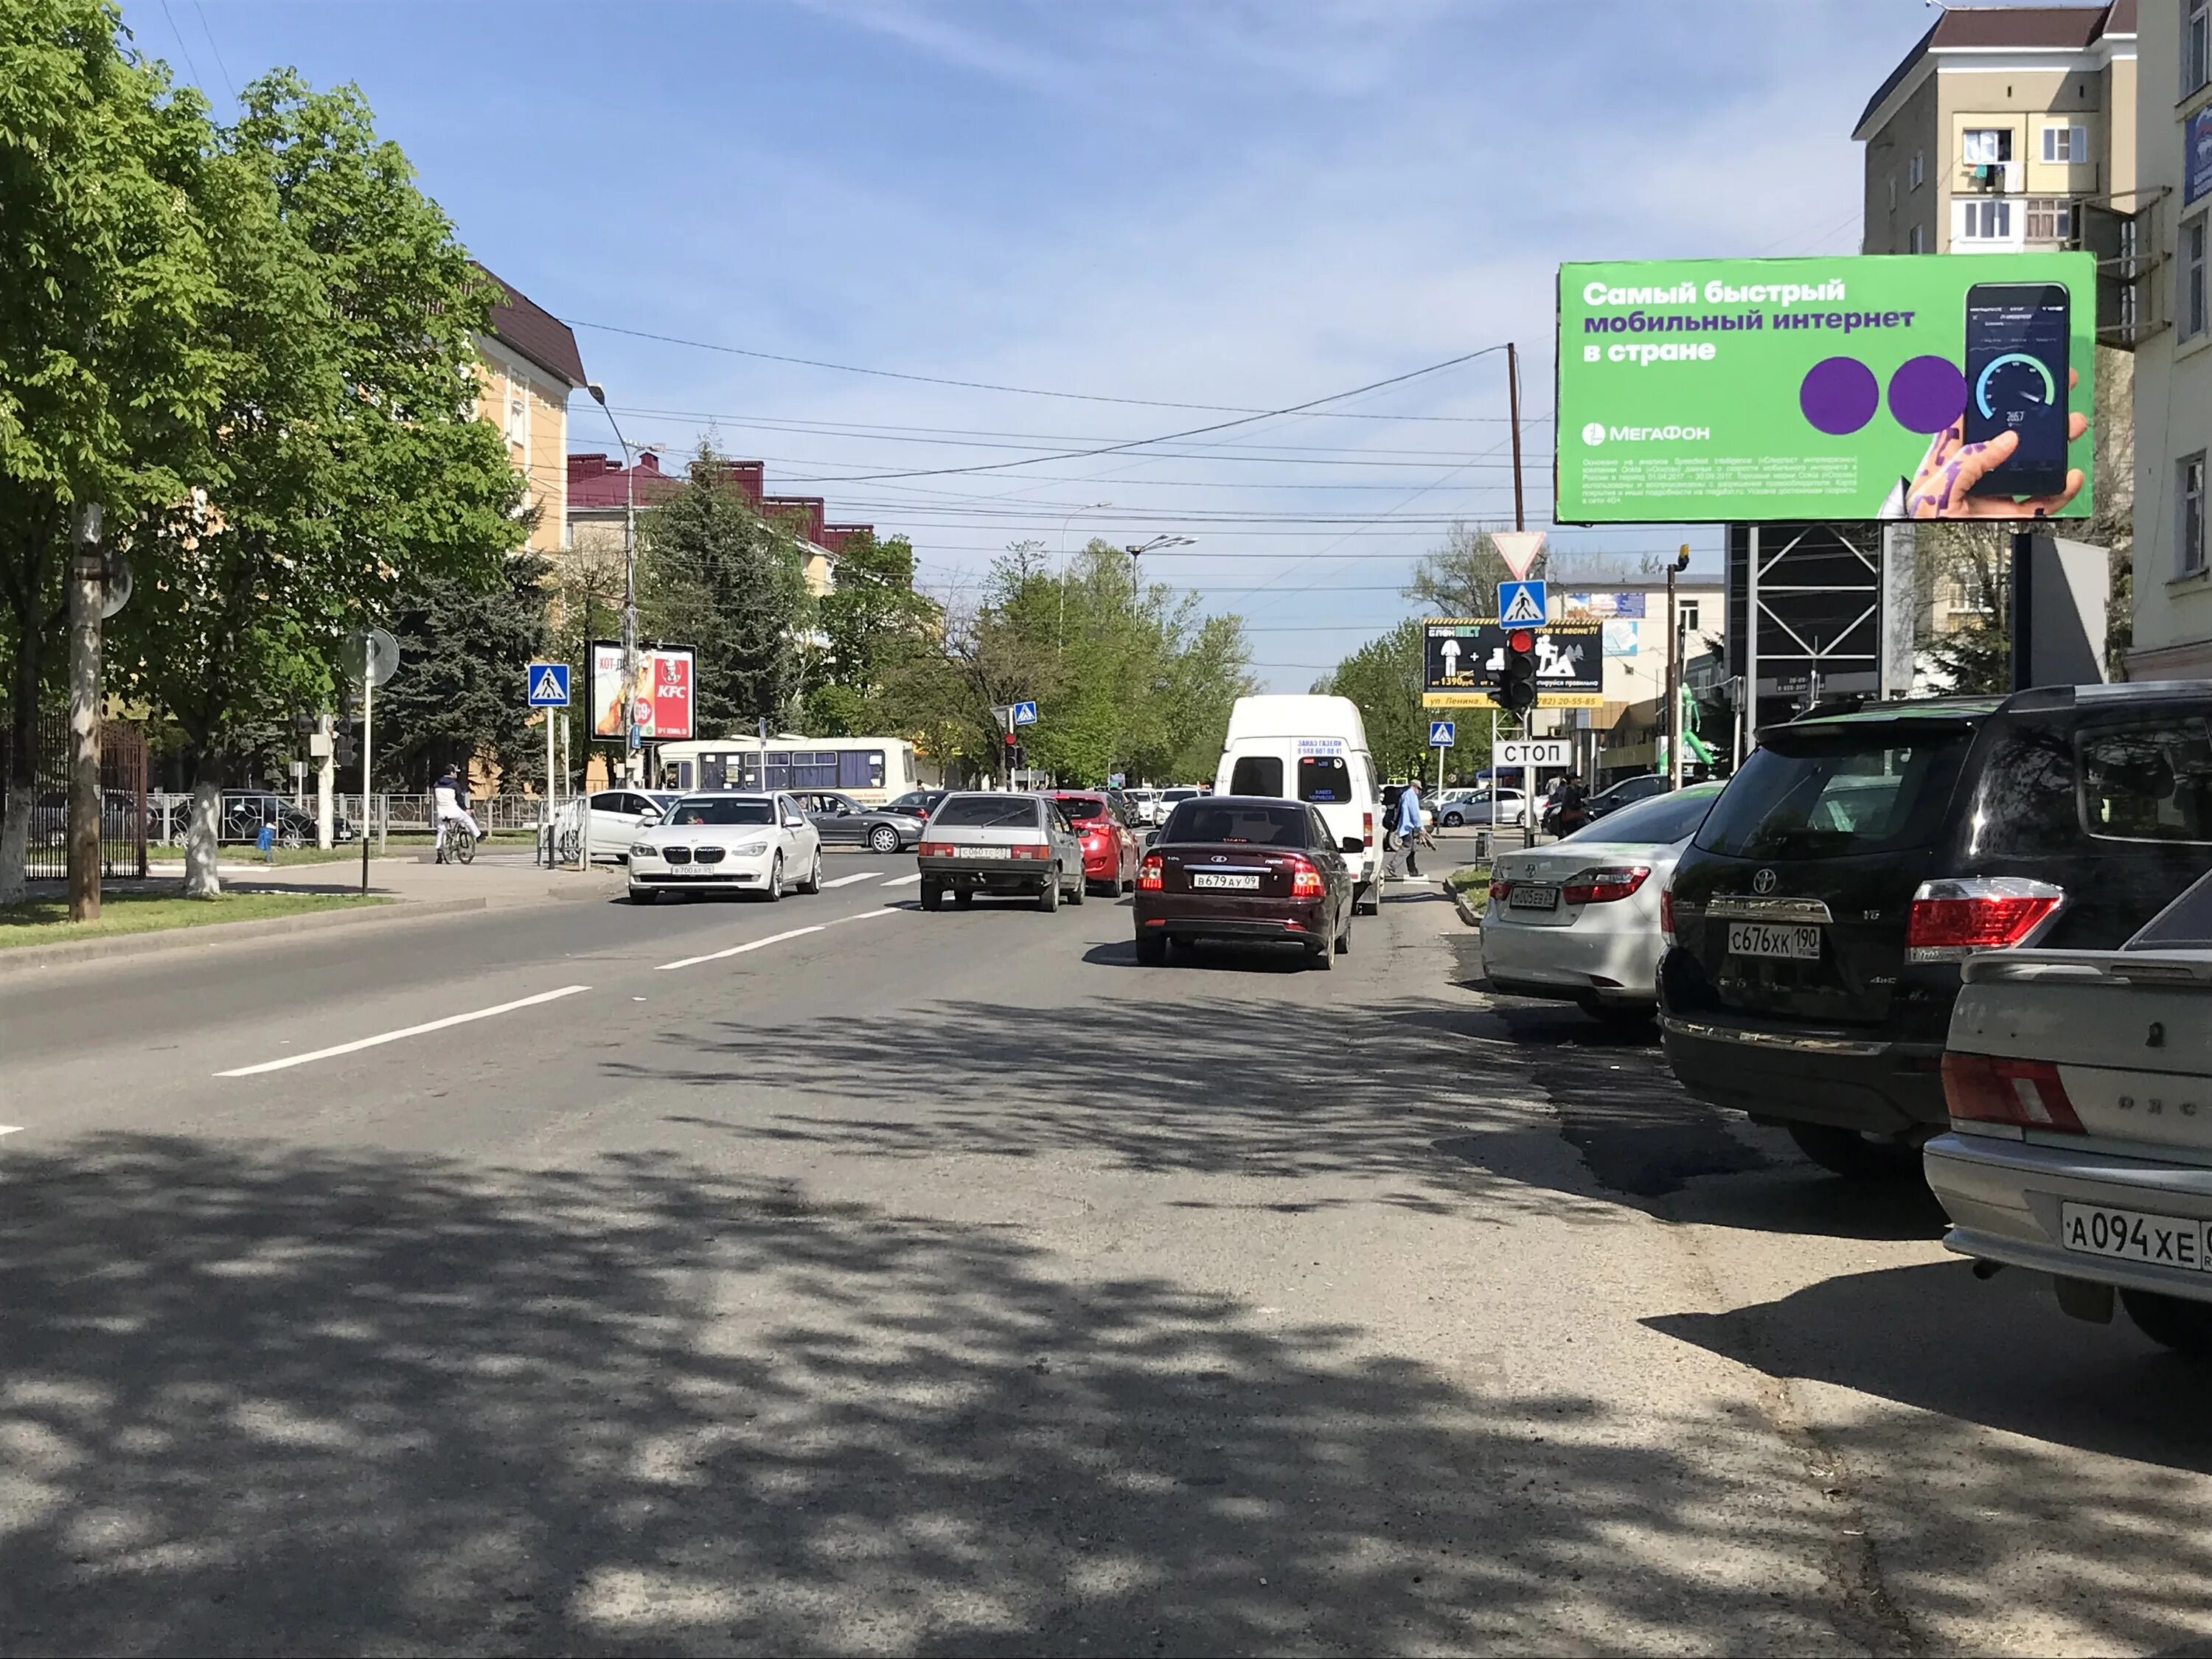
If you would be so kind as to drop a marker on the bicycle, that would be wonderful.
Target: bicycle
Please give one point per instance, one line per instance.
(457, 843)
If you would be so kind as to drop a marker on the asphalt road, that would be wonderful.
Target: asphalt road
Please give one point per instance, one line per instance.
(830, 1276)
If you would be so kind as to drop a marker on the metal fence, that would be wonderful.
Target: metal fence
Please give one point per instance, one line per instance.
(167, 814)
(122, 800)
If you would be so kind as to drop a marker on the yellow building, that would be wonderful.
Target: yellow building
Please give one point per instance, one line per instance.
(526, 367)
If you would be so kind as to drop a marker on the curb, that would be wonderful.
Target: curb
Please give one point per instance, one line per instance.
(1467, 914)
(30, 957)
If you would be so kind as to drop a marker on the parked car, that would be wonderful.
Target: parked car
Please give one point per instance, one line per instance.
(843, 821)
(1145, 807)
(726, 842)
(614, 817)
(1109, 846)
(244, 813)
(1313, 750)
(1247, 869)
(2080, 1088)
(978, 842)
(1820, 917)
(1578, 920)
(917, 804)
(1626, 792)
(1491, 808)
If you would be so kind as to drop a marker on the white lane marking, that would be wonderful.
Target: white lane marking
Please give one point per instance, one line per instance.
(407, 1032)
(737, 950)
(10, 1129)
(863, 915)
(847, 881)
(904, 881)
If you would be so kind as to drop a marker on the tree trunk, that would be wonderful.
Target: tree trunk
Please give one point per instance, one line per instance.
(14, 843)
(202, 878)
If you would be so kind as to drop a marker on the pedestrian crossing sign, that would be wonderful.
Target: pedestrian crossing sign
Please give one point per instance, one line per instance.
(548, 684)
(1520, 604)
(1442, 734)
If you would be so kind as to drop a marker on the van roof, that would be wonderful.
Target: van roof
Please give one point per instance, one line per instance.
(1290, 715)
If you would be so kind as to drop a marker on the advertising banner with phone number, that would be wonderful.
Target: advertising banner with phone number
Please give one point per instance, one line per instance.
(1874, 387)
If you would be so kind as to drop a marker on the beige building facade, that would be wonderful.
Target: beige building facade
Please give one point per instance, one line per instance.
(526, 368)
(2173, 362)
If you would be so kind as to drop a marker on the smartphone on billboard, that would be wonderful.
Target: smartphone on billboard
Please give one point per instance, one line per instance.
(2017, 382)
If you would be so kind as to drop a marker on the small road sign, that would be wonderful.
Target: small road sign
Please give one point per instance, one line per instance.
(1442, 734)
(1544, 752)
(1518, 548)
(1025, 714)
(1520, 604)
(547, 683)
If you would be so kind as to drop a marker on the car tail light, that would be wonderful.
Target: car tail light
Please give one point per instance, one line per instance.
(1984, 1089)
(1150, 876)
(1603, 886)
(1367, 828)
(1028, 852)
(1305, 880)
(1499, 888)
(1951, 920)
(934, 849)
(1667, 914)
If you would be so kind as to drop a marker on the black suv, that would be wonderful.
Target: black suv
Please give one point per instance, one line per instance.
(1817, 920)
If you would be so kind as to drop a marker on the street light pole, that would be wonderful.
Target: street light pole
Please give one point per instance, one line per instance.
(630, 589)
(87, 597)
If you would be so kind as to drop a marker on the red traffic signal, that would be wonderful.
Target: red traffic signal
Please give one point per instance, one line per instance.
(1011, 740)
(1520, 640)
(1517, 686)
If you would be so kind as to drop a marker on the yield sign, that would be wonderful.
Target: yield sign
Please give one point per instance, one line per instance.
(1518, 548)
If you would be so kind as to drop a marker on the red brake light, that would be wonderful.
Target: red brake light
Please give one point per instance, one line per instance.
(1305, 880)
(1367, 828)
(1949, 920)
(1499, 888)
(934, 849)
(1984, 1089)
(1667, 914)
(1149, 874)
(1604, 886)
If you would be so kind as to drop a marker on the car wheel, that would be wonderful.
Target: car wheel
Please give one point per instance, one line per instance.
(883, 839)
(642, 896)
(964, 898)
(776, 879)
(1343, 946)
(1152, 949)
(1453, 820)
(2172, 1321)
(813, 881)
(1365, 902)
(1621, 1015)
(1081, 891)
(1854, 1156)
(1048, 900)
(933, 895)
(1322, 959)
(291, 837)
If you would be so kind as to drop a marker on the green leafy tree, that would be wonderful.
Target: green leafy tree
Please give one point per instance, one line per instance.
(106, 370)
(870, 622)
(466, 646)
(343, 457)
(716, 575)
(1461, 578)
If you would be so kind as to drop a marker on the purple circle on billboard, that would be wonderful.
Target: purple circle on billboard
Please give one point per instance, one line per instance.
(1839, 395)
(1926, 394)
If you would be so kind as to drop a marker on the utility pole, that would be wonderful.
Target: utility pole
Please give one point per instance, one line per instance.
(87, 597)
(325, 744)
(1675, 672)
(1513, 404)
(629, 590)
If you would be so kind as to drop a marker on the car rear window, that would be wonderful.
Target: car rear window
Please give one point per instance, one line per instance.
(1257, 775)
(988, 812)
(723, 812)
(2149, 782)
(1324, 780)
(1658, 823)
(1080, 807)
(2184, 925)
(1208, 824)
(1856, 793)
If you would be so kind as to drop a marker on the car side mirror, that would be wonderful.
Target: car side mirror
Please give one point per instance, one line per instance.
(1352, 844)
(650, 816)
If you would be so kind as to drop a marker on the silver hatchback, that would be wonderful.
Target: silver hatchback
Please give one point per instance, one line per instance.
(978, 841)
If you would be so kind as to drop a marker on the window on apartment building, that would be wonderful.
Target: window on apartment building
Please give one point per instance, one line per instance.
(1892, 182)
(2050, 219)
(518, 409)
(2189, 272)
(1984, 221)
(2189, 532)
(1912, 242)
(2069, 143)
(1915, 170)
(2195, 45)
(1685, 611)
(1985, 146)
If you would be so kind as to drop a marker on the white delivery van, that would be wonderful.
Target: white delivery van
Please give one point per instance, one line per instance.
(1313, 750)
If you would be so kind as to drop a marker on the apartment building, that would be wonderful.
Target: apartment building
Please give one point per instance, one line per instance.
(1998, 125)
(526, 367)
(599, 494)
(2173, 360)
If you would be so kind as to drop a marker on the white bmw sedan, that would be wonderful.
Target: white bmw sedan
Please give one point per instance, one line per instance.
(1580, 920)
(727, 842)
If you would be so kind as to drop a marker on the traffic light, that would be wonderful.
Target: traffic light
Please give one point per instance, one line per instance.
(343, 753)
(1517, 686)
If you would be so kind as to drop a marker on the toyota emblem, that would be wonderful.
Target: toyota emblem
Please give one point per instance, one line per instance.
(1762, 882)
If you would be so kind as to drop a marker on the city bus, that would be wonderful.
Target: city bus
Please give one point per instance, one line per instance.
(871, 770)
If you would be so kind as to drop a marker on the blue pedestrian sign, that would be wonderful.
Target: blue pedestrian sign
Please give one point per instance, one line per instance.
(1442, 734)
(1025, 714)
(547, 683)
(1520, 604)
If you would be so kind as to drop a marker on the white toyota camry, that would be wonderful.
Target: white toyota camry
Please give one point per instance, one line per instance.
(726, 842)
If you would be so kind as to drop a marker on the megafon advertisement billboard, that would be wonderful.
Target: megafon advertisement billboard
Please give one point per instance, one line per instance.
(1874, 387)
(666, 677)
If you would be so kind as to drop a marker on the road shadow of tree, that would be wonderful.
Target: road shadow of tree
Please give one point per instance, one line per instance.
(267, 1398)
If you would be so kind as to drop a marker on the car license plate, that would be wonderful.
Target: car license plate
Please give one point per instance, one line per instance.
(2163, 1240)
(1533, 896)
(975, 851)
(1212, 878)
(1799, 942)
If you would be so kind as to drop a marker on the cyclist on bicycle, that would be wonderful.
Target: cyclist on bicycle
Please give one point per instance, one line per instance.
(450, 797)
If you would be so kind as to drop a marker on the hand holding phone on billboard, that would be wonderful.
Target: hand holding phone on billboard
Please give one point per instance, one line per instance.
(1963, 476)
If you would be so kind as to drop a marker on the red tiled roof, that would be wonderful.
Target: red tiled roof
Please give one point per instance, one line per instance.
(2052, 28)
(597, 481)
(522, 325)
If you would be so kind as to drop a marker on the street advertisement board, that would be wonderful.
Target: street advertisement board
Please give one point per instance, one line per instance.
(1461, 658)
(1855, 388)
(666, 675)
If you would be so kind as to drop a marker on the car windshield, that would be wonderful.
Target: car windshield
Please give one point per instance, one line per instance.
(987, 812)
(1656, 823)
(1181, 794)
(1856, 793)
(1238, 824)
(1080, 807)
(707, 809)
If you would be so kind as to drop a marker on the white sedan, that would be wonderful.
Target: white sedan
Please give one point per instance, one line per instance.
(727, 841)
(1581, 920)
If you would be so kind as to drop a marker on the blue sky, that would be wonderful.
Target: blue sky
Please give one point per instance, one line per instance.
(1211, 203)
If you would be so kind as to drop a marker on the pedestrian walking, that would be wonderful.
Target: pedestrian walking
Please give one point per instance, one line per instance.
(1409, 827)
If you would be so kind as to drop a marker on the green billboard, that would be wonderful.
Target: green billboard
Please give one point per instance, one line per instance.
(1879, 387)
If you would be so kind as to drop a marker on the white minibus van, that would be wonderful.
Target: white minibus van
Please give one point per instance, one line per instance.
(1313, 750)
